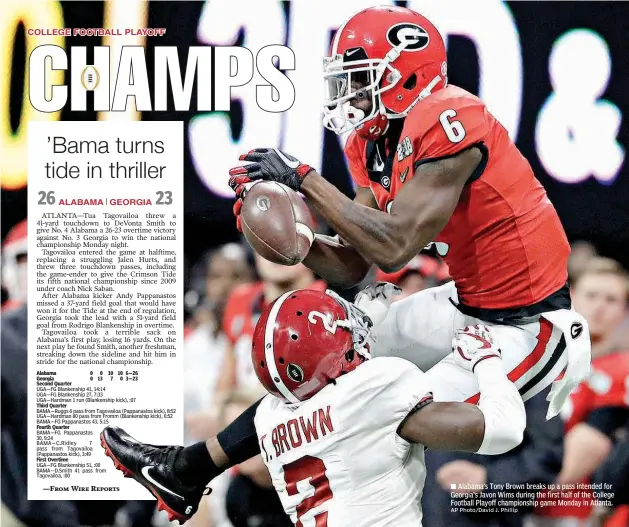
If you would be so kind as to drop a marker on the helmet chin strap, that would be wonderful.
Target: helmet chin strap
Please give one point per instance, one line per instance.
(374, 127)
(357, 322)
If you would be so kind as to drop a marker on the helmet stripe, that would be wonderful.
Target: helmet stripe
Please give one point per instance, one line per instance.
(269, 349)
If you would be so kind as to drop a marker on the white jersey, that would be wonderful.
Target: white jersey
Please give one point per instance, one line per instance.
(336, 460)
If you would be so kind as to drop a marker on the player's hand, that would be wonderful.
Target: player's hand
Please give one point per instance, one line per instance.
(472, 345)
(376, 299)
(269, 164)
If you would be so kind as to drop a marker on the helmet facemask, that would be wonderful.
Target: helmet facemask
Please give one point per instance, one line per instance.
(378, 77)
(357, 322)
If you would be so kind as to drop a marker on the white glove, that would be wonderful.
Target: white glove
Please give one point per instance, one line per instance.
(375, 300)
(472, 345)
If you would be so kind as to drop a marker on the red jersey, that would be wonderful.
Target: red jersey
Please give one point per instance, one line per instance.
(242, 311)
(607, 385)
(504, 244)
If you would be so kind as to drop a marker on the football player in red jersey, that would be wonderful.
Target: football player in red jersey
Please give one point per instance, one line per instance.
(431, 165)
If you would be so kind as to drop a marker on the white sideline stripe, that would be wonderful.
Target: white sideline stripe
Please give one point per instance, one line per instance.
(269, 351)
(302, 228)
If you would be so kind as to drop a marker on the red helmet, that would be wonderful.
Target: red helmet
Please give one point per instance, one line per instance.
(302, 341)
(395, 55)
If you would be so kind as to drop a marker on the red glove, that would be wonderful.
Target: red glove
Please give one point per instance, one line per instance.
(237, 207)
(241, 191)
(269, 164)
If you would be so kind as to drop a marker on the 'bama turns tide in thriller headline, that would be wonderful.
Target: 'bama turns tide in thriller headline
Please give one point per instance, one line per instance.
(232, 66)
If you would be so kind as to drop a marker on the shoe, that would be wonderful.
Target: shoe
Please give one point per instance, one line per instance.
(153, 467)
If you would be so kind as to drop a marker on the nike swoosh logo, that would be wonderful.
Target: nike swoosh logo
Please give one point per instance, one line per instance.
(348, 53)
(291, 164)
(486, 345)
(145, 473)
(403, 175)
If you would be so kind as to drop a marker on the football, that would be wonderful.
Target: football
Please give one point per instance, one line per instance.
(277, 223)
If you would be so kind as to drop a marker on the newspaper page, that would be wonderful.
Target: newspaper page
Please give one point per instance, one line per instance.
(490, 147)
(105, 323)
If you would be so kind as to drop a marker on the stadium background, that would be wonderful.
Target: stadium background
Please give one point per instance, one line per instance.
(555, 74)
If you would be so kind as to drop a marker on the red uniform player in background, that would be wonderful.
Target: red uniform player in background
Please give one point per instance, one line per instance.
(599, 407)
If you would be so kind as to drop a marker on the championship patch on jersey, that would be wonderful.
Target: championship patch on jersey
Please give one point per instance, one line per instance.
(404, 149)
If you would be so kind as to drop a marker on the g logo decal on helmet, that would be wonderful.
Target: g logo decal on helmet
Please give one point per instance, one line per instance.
(416, 37)
(294, 372)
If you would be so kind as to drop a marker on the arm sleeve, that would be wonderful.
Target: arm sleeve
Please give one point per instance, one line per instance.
(355, 162)
(538, 458)
(239, 439)
(447, 129)
(502, 409)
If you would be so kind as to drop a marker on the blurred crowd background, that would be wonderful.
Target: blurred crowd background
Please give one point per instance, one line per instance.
(555, 74)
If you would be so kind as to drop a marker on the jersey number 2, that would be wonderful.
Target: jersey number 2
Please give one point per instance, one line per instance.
(312, 469)
(454, 129)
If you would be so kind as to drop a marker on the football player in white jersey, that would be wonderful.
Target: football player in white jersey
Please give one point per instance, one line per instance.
(343, 435)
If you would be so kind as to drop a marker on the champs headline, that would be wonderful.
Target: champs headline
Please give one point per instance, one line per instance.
(214, 71)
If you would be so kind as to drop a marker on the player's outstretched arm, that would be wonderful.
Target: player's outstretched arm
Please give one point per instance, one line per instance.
(419, 213)
(495, 426)
(335, 261)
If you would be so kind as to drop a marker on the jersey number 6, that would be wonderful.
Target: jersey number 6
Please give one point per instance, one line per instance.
(311, 469)
(454, 129)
